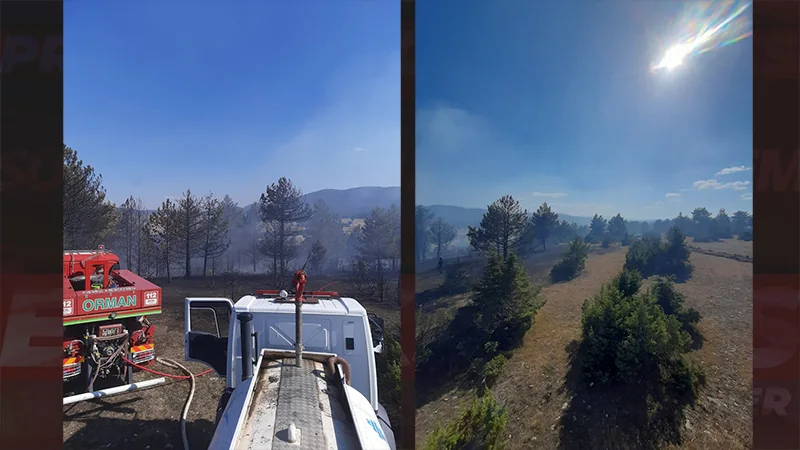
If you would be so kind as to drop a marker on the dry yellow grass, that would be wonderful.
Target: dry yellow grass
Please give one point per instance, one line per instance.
(532, 385)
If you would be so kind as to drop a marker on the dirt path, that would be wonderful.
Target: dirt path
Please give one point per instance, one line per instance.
(534, 374)
(721, 290)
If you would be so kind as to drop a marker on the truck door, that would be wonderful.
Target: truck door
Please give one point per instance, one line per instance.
(207, 324)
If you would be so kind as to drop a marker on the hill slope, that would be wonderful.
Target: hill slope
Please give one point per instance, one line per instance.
(356, 202)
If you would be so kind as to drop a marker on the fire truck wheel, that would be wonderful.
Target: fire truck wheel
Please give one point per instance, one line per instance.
(223, 402)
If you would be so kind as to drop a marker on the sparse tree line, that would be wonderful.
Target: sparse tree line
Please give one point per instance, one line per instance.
(206, 235)
(431, 233)
(703, 227)
(506, 227)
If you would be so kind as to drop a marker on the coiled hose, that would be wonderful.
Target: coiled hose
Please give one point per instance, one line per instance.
(188, 403)
(190, 376)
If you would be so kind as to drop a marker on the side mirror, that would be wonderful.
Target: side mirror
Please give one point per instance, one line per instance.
(376, 329)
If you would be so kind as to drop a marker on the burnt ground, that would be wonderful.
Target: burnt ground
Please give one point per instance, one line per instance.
(535, 384)
(150, 418)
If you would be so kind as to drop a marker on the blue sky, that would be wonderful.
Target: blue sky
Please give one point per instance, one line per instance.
(554, 101)
(226, 97)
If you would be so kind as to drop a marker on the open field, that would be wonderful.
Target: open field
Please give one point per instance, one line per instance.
(150, 418)
(545, 410)
(727, 248)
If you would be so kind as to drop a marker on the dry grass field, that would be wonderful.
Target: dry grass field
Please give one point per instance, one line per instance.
(534, 383)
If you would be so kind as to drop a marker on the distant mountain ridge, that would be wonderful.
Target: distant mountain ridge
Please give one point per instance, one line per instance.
(463, 217)
(358, 202)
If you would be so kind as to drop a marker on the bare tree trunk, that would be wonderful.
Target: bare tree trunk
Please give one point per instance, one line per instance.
(188, 271)
(169, 274)
(205, 257)
(213, 270)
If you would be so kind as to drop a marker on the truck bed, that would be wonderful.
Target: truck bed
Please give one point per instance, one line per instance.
(284, 394)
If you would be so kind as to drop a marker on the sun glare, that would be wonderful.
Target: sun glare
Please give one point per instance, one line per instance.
(674, 57)
(705, 27)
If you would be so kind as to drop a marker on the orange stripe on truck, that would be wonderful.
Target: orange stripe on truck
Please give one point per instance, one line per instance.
(142, 348)
(68, 361)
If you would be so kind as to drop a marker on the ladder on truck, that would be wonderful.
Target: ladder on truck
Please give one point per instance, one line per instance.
(306, 407)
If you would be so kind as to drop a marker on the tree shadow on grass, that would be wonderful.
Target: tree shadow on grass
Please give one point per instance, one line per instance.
(698, 340)
(443, 370)
(619, 417)
(679, 277)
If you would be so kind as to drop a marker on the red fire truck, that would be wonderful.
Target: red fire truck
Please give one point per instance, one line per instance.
(105, 321)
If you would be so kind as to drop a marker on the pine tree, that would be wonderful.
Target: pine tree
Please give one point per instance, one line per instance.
(282, 209)
(617, 228)
(544, 222)
(88, 217)
(597, 229)
(190, 228)
(501, 227)
(215, 241)
(441, 234)
(163, 229)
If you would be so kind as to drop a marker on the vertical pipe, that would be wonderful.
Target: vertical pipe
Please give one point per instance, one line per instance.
(246, 322)
(299, 284)
(298, 332)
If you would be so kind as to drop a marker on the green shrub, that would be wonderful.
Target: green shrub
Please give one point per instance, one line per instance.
(387, 367)
(502, 310)
(652, 256)
(606, 242)
(456, 278)
(672, 303)
(676, 255)
(504, 303)
(485, 369)
(626, 240)
(746, 236)
(480, 427)
(493, 369)
(572, 263)
(628, 282)
(643, 256)
(431, 327)
(631, 340)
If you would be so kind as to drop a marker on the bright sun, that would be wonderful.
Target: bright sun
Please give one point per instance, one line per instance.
(674, 57)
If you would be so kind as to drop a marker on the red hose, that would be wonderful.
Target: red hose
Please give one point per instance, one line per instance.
(155, 372)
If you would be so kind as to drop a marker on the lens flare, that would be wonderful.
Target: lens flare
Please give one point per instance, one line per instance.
(706, 26)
